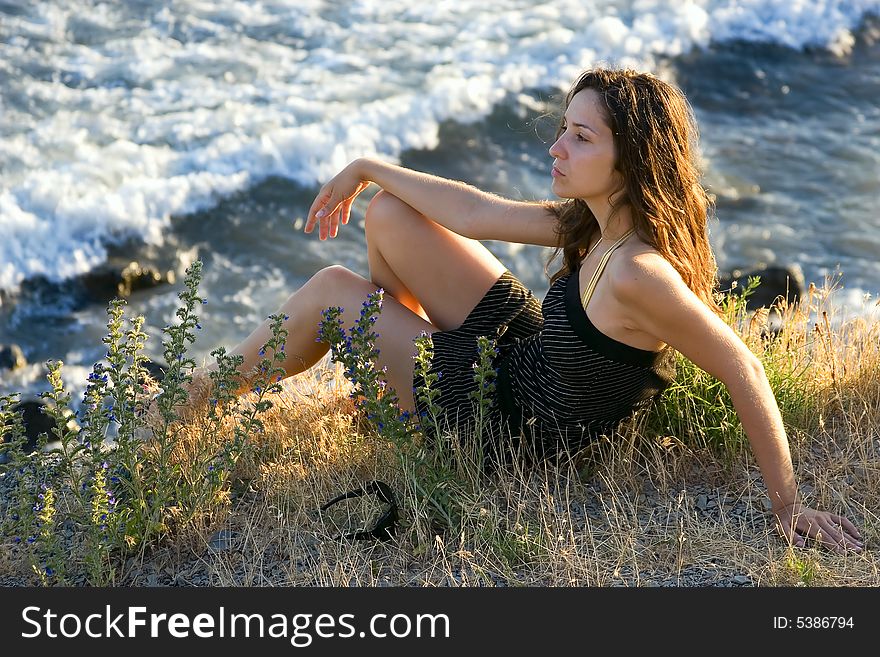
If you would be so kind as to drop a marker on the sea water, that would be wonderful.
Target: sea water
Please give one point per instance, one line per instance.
(175, 131)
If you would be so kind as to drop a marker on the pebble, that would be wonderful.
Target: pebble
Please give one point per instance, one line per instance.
(222, 540)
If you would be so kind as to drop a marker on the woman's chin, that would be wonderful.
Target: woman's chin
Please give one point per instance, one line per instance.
(559, 193)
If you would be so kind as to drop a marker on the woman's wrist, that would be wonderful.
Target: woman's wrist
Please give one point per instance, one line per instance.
(779, 509)
(362, 167)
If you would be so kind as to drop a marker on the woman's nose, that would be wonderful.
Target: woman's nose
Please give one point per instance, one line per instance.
(556, 149)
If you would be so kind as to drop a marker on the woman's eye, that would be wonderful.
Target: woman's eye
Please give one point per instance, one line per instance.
(577, 135)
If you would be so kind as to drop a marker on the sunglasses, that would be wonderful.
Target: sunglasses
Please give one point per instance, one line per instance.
(385, 524)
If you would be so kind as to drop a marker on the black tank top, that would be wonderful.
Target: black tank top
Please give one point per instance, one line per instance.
(570, 382)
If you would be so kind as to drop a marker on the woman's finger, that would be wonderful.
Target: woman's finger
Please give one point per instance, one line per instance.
(325, 215)
(334, 221)
(330, 207)
(847, 526)
(789, 532)
(346, 210)
(796, 539)
(826, 530)
(838, 532)
(345, 215)
(320, 201)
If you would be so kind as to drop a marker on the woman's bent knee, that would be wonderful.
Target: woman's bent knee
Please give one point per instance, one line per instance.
(332, 275)
(385, 208)
(324, 284)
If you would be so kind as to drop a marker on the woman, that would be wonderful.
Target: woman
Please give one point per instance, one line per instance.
(636, 283)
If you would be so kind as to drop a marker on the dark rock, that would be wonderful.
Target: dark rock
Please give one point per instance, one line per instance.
(777, 283)
(137, 277)
(46, 301)
(55, 300)
(108, 281)
(155, 370)
(35, 422)
(222, 540)
(11, 357)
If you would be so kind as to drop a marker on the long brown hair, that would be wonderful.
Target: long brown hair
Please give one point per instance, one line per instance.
(655, 141)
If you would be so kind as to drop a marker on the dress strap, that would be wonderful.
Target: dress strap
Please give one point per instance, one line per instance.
(588, 293)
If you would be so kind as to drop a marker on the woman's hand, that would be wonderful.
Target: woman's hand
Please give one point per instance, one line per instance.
(333, 203)
(797, 522)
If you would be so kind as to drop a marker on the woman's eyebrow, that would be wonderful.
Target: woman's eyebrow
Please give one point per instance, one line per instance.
(581, 125)
(584, 125)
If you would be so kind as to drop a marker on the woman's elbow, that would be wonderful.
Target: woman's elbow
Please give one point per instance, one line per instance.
(752, 374)
(754, 365)
(745, 369)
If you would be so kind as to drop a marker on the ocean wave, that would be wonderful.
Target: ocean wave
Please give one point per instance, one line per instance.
(117, 117)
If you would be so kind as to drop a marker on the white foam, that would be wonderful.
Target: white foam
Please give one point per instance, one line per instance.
(32, 378)
(163, 115)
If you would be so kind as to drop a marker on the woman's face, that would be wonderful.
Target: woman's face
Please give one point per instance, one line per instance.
(583, 155)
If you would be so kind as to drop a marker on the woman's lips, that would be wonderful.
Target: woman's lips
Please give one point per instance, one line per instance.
(556, 173)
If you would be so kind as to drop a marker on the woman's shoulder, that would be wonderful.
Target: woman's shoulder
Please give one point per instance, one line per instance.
(636, 256)
(640, 268)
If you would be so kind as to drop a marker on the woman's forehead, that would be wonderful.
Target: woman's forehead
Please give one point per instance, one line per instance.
(586, 108)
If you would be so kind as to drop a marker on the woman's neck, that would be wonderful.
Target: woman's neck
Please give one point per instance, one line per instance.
(613, 226)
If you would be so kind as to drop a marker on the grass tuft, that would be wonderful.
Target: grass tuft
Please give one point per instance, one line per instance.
(672, 498)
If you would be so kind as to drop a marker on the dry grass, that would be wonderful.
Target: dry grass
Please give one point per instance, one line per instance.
(640, 508)
(644, 507)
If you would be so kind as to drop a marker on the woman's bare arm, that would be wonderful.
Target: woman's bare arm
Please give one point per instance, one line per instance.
(659, 303)
(462, 208)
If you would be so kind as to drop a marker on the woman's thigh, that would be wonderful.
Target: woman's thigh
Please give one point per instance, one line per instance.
(447, 273)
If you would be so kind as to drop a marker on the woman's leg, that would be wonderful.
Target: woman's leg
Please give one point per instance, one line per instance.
(396, 327)
(435, 272)
(433, 278)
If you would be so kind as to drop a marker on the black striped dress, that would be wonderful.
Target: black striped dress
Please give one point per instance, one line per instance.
(561, 382)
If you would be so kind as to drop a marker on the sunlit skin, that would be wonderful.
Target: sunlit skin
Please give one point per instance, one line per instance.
(424, 247)
(583, 156)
